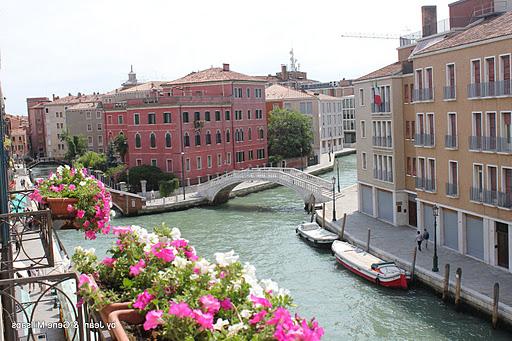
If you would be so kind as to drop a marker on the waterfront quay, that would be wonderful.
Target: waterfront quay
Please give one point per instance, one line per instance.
(397, 243)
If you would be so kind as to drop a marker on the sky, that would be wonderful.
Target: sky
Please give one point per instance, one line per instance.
(69, 46)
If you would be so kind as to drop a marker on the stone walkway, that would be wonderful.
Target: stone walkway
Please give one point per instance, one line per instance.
(397, 244)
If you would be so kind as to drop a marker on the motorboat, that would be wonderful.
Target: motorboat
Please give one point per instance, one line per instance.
(316, 235)
(372, 268)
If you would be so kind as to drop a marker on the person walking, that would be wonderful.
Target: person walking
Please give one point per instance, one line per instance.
(426, 236)
(419, 239)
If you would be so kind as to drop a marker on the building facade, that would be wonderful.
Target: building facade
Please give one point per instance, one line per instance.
(197, 127)
(87, 120)
(451, 138)
(36, 133)
(17, 132)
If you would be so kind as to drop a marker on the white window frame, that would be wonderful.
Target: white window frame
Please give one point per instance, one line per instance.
(486, 69)
(472, 75)
(502, 71)
(363, 129)
(474, 175)
(364, 161)
(448, 131)
(361, 97)
(473, 126)
(167, 165)
(502, 184)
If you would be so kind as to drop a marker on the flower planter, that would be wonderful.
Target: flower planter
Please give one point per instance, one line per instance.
(59, 206)
(130, 316)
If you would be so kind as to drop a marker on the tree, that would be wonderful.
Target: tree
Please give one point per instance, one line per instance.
(167, 187)
(93, 160)
(153, 175)
(290, 134)
(121, 146)
(111, 159)
(77, 145)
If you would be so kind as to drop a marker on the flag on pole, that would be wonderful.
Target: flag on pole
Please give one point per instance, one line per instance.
(376, 95)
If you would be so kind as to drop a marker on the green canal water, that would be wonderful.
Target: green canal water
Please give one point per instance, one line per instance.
(261, 228)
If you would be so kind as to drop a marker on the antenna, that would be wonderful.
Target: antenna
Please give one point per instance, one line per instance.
(293, 61)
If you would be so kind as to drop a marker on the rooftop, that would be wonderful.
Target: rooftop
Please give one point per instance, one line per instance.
(74, 100)
(386, 71)
(214, 74)
(491, 27)
(278, 92)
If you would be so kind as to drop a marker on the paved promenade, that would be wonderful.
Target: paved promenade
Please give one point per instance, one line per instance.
(397, 244)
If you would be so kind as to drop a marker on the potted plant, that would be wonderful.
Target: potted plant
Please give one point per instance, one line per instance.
(176, 295)
(73, 193)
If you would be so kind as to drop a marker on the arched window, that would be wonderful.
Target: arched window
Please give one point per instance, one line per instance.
(208, 137)
(186, 140)
(218, 137)
(249, 134)
(198, 138)
(168, 140)
(237, 135)
(261, 133)
(152, 140)
(138, 143)
(228, 136)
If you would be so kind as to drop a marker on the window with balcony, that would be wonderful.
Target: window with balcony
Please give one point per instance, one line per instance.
(381, 99)
(450, 140)
(475, 140)
(419, 138)
(383, 167)
(489, 140)
(477, 189)
(430, 184)
(408, 166)
(505, 83)
(421, 178)
(505, 139)
(429, 139)
(452, 187)
(489, 85)
(491, 192)
(474, 88)
(505, 196)
(449, 89)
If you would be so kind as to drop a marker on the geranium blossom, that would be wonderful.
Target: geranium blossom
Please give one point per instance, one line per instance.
(260, 301)
(210, 304)
(143, 300)
(85, 279)
(205, 320)
(108, 261)
(153, 319)
(258, 317)
(136, 269)
(180, 310)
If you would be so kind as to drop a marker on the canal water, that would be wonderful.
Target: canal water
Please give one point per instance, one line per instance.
(261, 228)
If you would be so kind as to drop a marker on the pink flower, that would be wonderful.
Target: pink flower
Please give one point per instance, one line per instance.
(153, 319)
(136, 269)
(72, 187)
(261, 301)
(143, 300)
(179, 243)
(281, 316)
(80, 213)
(191, 255)
(86, 224)
(90, 234)
(258, 317)
(105, 229)
(70, 208)
(226, 304)
(222, 274)
(161, 251)
(120, 230)
(205, 320)
(108, 261)
(85, 279)
(180, 310)
(210, 304)
(80, 303)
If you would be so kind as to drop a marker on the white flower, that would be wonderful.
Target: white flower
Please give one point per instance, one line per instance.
(204, 266)
(245, 313)
(220, 324)
(79, 249)
(90, 252)
(193, 277)
(269, 285)
(180, 262)
(282, 292)
(60, 169)
(256, 289)
(225, 259)
(234, 329)
(82, 183)
(175, 233)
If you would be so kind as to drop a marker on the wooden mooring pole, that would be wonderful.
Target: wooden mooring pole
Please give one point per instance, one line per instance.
(413, 262)
(368, 241)
(495, 301)
(458, 280)
(323, 215)
(446, 282)
(343, 226)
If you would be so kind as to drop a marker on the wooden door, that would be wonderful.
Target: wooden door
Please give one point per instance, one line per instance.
(413, 219)
(502, 238)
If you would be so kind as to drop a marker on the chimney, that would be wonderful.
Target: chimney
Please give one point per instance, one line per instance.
(79, 94)
(53, 97)
(225, 67)
(429, 20)
(284, 72)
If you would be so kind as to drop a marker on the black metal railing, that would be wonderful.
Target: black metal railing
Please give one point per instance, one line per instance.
(490, 197)
(419, 139)
(450, 141)
(449, 92)
(489, 143)
(476, 194)
(383, 107)
(452, 189)
(430, 185)
(475, 143)
(420, 182)
(505, 199)
(425, 94)
(504, 145)
(490, 89)
(424, 140)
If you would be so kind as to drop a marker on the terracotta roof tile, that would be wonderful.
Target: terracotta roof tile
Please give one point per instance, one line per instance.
(389, 70)
(490, 28)
(213, 75)
(279, 92)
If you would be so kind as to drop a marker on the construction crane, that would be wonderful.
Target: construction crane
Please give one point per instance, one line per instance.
(370, 36)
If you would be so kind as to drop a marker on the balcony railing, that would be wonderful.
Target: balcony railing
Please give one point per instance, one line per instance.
(383, 107)
(382, 141)
(504, 145)
(420, 182)
(490, 89)
(452, 189)
(494, 198)
(450, 141)
(430, 185)
(475, 143)
(424, 140)
(490, 198)
(382, 175)
(449, 92)
(476, 194)
(425, 94)
(489, 143)
(505, 199)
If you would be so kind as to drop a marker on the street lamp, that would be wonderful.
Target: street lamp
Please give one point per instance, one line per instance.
(435, 212)
(338, 173)
(183, 173)
(333, 198)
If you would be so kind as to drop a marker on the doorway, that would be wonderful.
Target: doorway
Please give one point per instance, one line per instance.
(413, 219)
(502, 244)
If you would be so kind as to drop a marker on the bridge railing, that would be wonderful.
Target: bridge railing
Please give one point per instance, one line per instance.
(303, 175)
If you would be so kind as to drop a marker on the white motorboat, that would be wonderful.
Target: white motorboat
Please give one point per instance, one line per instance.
(316, 235)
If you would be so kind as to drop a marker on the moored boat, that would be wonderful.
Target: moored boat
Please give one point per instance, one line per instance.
(316, 235)
(372, 268)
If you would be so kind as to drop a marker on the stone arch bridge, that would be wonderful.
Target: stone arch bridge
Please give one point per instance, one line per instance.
(309, 187)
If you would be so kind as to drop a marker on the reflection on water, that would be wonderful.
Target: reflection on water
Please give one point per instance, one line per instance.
(261, 228)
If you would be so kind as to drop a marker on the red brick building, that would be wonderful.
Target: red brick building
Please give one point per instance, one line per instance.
(36, 118)
(212, 121)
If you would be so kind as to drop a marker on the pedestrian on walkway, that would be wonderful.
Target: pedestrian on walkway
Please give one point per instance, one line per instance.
(419, 239)
(426, 236)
